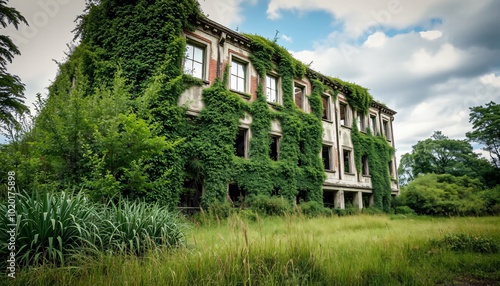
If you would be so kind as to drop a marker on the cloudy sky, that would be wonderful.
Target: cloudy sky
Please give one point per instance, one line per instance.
(429, 60)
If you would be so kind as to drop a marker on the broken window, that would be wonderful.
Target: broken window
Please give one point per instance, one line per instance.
(326, 107)
(274, 148)
(347, 161)
(299, 96)
(240, 144)
(326, 155)
(343, 114)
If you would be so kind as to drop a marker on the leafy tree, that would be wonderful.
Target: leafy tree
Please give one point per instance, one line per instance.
(11, 88)
(442, 155)
(444, 194)
(486, 129)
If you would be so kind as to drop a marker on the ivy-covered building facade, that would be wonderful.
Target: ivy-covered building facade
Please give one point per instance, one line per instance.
(268, 124)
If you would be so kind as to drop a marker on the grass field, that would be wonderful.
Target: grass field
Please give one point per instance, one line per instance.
(293, 250)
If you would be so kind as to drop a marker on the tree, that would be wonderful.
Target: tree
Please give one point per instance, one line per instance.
(486, 129)
(11, 88)
(442, 155)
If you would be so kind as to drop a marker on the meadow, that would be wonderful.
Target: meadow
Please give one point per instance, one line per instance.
(296, 250)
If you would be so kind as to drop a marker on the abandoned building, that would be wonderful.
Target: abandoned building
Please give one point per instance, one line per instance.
(213, 50)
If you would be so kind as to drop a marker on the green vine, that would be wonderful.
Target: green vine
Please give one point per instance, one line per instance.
(359, 98)
(378, 153)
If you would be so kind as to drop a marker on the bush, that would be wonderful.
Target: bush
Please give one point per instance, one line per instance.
(265, 205)
(445, 195)
(492, 200)
(220, 210)
(467, 243)
(372, 211)
(403, 210)
(249, 215)
(313, 209)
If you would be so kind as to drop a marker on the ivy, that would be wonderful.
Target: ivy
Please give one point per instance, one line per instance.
(359, 98)
(378, 153)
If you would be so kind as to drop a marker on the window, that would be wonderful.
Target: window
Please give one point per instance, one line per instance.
(373, 124)
(347, 161)
(194, 60)
(238, 76)
(299, 96)
(326, 107)
(343, 114)
(391, 169)
(274, 148)
(364, 167)
(241, 143)
(386, 130)
(326, 155)
(236, 194)
(361, 122)
(271, 89)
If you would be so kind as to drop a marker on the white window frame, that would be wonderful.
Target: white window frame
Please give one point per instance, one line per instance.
(270, 98)
(238, 61)
(200, 46)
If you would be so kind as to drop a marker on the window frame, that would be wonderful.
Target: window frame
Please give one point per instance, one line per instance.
(245, 65)
(303, 95)
(276, 85)
(273, 136)
(196, 45)
(361, 121)
(373, 124)
(327, 109)
(331, 162)
(345, 122)
(349, 161)
(386, 128)
(246, 142)
(365, 168)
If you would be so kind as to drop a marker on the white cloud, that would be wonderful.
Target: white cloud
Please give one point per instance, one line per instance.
(490, 79)
(431, 35)
(425, 62)
(375, 40)
(225, 12)
(287, 38)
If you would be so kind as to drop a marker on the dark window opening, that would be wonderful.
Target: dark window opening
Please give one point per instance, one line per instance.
(236, 194)
(364, 167)
(343, 114)
(299, 96)
(373, 124)
(347, 161)
(328, 199)
(391, 170)
(190, 196)
(301, 197)
(366, 200)
(326, 107)
(275, 192)
(326, 156)
(240, 143)
(385, 126)
(274, 148)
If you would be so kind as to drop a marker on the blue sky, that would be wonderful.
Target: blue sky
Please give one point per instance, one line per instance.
(429, 60)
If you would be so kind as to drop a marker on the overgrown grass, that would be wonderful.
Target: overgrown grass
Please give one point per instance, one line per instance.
(295, 250)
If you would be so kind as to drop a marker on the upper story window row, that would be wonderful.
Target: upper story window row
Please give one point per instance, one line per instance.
(196, 61)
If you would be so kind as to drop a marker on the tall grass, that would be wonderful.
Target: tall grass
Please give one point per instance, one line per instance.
(53, 227)
(294, 250)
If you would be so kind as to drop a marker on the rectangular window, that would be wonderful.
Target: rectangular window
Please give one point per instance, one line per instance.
(386, 130)
(343, 114)
(194, 60)
(326, 107)
(373, 124)
(326, 155)
(274, 148)
(391, 169)
(271, 89)
(364, 167)
(299, 96)
(241, 143)
(238, 76)
(347, 161)
(361, 122)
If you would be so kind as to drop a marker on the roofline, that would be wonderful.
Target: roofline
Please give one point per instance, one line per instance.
(244, 42)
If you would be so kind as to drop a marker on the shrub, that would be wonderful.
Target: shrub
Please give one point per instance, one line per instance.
(372, 211)
(220, 210)
(249, 215)
(313, 209)
(403, 210)
(268, 205)
(467, 243)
